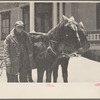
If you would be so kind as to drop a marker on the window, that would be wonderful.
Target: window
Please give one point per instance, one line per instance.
(98, 15)
(43, 17)
(5, 24)
(26, 18)
(63, 8)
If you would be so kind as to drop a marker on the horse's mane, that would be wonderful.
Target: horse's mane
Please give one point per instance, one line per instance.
(56, 29)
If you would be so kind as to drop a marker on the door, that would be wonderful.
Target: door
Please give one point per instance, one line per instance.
(43, 17)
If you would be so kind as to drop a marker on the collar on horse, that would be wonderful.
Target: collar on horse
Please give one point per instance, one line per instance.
(62, 53)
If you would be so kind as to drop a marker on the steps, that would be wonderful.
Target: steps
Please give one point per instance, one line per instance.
(1, 50)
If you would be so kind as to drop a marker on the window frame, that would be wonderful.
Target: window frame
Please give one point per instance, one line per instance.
(45, 13)
(4, 16)
(23, 12)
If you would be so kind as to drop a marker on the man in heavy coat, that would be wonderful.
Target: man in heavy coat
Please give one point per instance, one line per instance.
(18, 54)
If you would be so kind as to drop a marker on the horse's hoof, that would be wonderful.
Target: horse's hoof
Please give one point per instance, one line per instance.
(31, 81)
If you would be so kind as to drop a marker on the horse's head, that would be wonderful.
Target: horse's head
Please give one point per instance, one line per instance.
(69, 35)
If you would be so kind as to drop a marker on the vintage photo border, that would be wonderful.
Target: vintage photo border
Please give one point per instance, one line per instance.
(42, 90)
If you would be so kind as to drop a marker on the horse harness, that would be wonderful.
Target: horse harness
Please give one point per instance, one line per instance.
(62, 52)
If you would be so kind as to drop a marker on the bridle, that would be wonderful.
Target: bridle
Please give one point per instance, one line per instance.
(62, 54)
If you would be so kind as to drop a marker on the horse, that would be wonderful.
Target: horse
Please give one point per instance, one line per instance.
(63, 38)
(63, 61)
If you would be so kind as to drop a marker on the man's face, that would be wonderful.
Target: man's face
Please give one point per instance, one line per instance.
(19, 29)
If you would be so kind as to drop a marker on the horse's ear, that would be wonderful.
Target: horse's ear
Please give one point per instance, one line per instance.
(81, 24)
(65, 18)
(73, 27)
(72, 18)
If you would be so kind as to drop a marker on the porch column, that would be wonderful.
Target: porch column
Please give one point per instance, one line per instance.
(54, 8)
(0, 27)
(32, 16)
(60, 11)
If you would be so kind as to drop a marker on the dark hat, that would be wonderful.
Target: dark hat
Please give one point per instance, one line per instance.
(19, 23)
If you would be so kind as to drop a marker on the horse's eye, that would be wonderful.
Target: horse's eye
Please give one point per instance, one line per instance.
(66, 35)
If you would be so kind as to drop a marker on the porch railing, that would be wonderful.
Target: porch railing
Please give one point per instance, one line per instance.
(94, 39)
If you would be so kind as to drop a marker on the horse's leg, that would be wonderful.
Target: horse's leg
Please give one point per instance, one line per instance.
(55, 72)
(48, 75)
(29, 74)
(40, 73)
(64, 64)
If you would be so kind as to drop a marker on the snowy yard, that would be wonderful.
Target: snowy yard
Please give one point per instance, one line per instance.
(79, 70)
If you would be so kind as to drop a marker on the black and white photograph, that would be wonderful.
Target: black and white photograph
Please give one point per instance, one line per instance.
(50, 42)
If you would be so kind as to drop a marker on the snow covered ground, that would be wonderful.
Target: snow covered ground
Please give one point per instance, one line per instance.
(79, 70)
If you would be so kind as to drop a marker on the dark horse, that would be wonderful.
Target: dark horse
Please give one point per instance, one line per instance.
(63, 61)
(64, 39)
